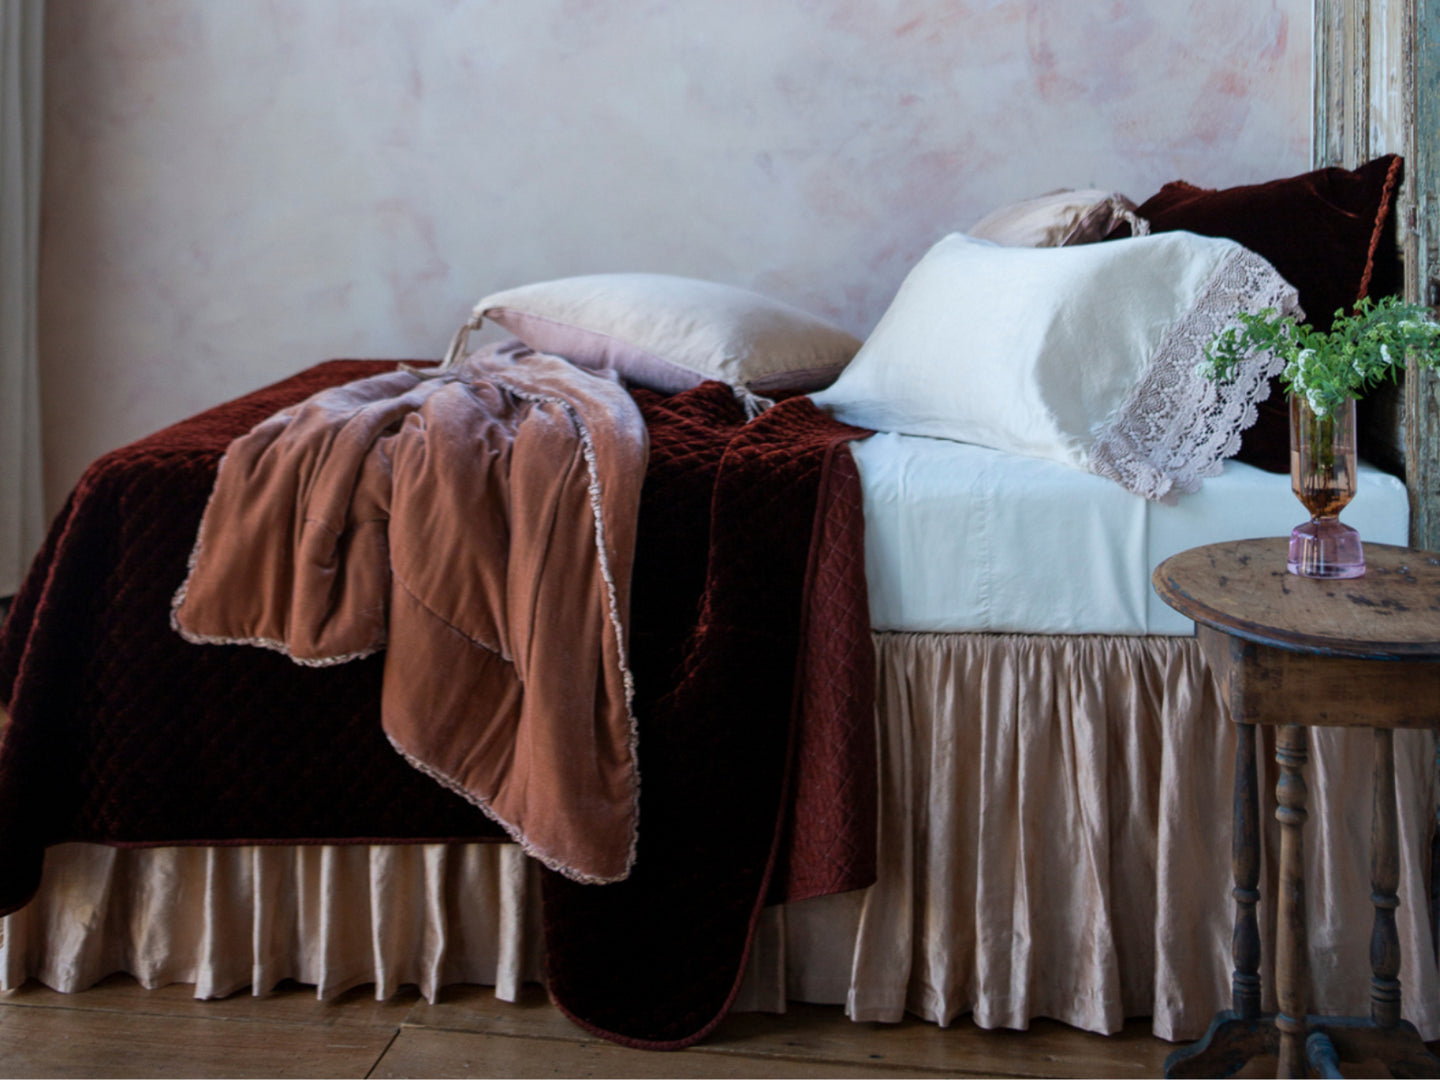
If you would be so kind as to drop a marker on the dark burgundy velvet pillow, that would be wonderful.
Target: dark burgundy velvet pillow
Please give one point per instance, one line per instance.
(1328, 234)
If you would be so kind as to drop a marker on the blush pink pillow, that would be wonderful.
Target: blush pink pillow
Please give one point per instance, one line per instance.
(671, 333)
(1059, 219)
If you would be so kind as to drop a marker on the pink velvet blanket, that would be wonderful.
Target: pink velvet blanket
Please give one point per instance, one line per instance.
(477, 524)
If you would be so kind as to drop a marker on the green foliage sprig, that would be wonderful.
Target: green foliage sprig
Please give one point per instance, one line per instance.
(1358, 352)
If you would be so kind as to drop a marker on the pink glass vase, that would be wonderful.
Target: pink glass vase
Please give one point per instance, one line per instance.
(1322, 474)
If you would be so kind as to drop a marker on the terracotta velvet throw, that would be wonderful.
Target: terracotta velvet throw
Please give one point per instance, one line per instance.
(748, 556)
(478, 524)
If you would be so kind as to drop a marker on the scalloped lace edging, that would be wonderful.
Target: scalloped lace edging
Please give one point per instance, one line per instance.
(1177, 426)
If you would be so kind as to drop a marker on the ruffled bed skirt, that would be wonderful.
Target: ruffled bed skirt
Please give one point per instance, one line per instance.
(1054, 841)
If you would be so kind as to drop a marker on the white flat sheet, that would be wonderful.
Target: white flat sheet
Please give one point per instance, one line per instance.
(964, 538)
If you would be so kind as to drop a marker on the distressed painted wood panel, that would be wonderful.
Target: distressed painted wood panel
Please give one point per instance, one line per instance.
(1422, 278)
(1377, 90)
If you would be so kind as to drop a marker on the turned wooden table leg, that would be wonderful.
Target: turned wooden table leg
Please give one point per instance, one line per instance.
(1236, 1036)
(1245, 854)
(1292, 949)
(1384, 1036)
(1384, 883)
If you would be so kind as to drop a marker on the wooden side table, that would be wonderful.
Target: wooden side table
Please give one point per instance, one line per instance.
(1297, 652)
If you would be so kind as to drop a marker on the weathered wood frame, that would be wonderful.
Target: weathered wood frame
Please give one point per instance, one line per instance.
(1377, 90)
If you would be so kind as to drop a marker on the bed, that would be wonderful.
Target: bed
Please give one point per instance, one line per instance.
(1050, 761)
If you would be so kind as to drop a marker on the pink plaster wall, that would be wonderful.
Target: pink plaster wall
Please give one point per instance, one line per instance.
(237, 190)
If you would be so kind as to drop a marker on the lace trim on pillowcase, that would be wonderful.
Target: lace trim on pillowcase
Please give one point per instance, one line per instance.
(1177, 426)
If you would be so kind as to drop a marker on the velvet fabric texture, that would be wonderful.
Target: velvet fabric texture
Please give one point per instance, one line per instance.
(1329, 234)
(478, 522)
(122, 732)
(713, 746)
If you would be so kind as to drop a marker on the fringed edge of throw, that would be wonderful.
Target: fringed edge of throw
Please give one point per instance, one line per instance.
(483, 805)
(274, 645)
(612, 596)
(777, 834)
(754, 404)
(587, 446)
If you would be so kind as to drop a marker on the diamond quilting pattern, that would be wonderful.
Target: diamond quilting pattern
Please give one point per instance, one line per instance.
(831, 816)
(124, 733)
(654, 961)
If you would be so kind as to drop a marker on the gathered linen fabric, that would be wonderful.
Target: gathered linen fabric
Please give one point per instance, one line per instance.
(1054, 842)
(477, 522)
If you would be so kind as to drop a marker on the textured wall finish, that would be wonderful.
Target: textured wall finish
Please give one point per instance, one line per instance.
(237, 190)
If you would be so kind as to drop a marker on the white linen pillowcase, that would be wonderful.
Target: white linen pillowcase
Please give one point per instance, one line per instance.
(1085, 355)
(670, 333)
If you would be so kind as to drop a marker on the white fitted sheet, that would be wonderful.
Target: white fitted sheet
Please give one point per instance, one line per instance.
(962, 538)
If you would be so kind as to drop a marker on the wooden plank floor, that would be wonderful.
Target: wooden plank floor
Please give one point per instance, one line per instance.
(120, 1029)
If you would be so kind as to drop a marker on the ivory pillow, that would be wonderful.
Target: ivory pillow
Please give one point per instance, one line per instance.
(1085, 355)
(671, 333)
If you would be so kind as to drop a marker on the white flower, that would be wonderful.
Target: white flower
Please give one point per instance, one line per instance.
(1385, 355)
(1316, 405)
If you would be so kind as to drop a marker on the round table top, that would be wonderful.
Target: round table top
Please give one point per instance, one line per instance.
(1243, 588)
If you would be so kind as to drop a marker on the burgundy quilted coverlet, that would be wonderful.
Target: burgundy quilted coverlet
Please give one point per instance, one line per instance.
(748, 610)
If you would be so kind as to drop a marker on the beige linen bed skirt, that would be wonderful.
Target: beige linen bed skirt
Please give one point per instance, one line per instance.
(1054, 841)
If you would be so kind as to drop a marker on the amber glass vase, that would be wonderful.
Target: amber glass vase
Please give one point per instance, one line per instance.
(1322, 473)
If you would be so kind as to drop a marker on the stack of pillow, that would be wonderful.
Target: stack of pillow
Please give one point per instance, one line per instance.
(1086, 354)
(1330, 234)
(1025, 334)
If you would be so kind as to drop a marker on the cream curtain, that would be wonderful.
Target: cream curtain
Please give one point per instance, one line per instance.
(21, 512)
